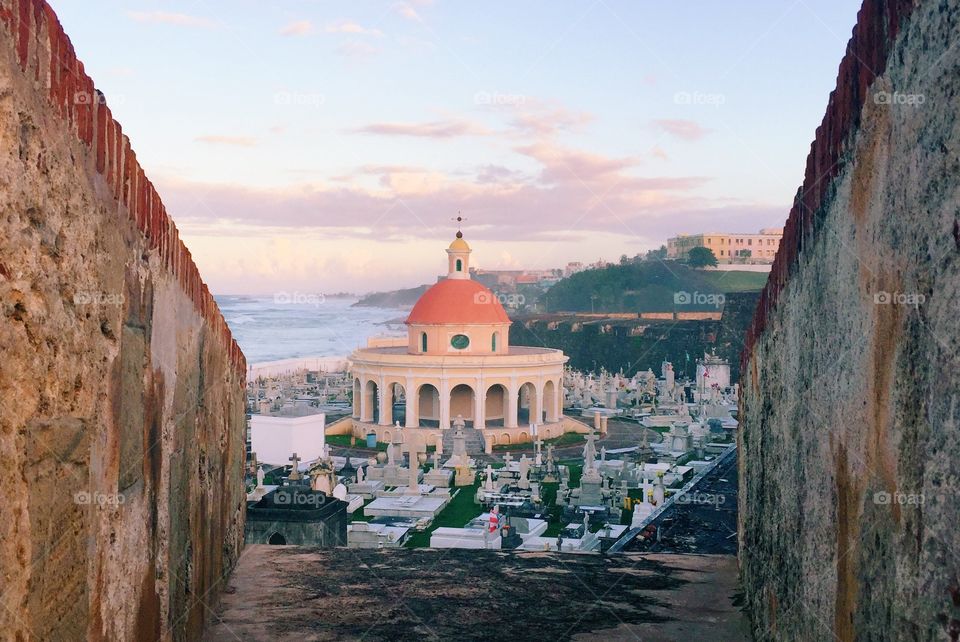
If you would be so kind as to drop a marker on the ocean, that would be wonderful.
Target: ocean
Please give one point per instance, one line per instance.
(272, 328)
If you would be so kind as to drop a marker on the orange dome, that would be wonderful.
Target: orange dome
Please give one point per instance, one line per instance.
(457, 301)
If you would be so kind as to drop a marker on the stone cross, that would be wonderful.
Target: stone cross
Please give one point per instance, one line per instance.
(524, 471)
(506, 461)
(295, 473)
(538, 460)
(414, 446)
(488, 484)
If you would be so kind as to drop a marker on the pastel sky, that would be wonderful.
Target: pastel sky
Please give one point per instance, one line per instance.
(325, 146)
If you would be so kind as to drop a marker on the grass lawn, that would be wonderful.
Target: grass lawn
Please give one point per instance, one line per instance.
(348, 441)
(458, 512)
(566, 439)
(735, 281)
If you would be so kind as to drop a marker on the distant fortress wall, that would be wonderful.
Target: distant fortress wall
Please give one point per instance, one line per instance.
(849, 439)
(121, 388)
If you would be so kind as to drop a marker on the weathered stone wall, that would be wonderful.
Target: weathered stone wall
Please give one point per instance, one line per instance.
(850, 413)
(121, 389)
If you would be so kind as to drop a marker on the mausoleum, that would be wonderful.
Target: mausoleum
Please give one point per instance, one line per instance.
(457, 361)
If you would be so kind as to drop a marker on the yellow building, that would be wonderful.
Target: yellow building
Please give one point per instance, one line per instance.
(456, 360)
(729, 248)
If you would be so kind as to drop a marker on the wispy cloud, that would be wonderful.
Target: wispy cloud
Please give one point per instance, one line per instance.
(683, 129)
(407, 11)
(239, 141)
(357, 49)
(178, 19)
(346, 26)
(297, 28)
(436, 129)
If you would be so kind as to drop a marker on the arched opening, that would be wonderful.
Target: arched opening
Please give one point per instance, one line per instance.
(462, 403)
(496, 405)
(527, 411)
(398, 403)
(550, 401)
(357, 392)
(423, 342)
(459, 265)
(493, 342)
(370, 407)
(277, 540)
(505, 439)
(428, 400)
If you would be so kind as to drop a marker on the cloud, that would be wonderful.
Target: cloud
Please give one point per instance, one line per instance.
(298, 28)
(240, 141)
(683, 129)
(356, 49)
(178, 19)
(407, 12)
(543, 121)
(437, 129)
(353, 28)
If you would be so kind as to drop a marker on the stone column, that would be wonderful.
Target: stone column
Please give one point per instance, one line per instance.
(510, 421)
(444, 404)
(386, 404)
(539, 415)
(479, 405)
(413, 404)
(357, 399)
(366, 403)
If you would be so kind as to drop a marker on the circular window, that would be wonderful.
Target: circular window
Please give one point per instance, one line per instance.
(460, 341)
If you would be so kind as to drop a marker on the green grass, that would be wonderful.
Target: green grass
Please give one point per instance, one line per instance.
(735, 281)
(566, 439)
(458, 512)
(348, 441)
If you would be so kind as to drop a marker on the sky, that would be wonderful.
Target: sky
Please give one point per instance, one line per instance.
(326, 146)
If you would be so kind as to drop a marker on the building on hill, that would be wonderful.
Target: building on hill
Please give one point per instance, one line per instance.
(457, 361)
(750, 249)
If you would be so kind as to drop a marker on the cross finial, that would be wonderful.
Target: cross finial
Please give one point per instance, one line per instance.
(459, 219)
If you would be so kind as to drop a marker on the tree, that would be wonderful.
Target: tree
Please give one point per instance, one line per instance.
(624, 259)
(655, 255)
(699, 257)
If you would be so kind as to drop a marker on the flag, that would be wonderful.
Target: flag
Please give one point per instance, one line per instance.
(494, 519)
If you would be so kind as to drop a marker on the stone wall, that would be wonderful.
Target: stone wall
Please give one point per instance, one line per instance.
(850, 412)
(121, 389)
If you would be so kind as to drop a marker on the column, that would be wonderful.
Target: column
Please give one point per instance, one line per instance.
(479, 405)
(539, 415)
(366, 403)
(413, 403)
(560, 395)
(357, 399)
(386, 404)
(510, 421)
(444, 404)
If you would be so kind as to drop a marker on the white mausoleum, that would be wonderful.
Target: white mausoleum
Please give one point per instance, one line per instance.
(457, 361)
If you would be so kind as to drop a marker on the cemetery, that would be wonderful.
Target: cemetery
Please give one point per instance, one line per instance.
(563, 494)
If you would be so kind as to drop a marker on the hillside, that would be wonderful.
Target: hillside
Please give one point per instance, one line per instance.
(647, 286)
(393, 299)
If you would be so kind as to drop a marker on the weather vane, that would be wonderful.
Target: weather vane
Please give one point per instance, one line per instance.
(459, 219)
